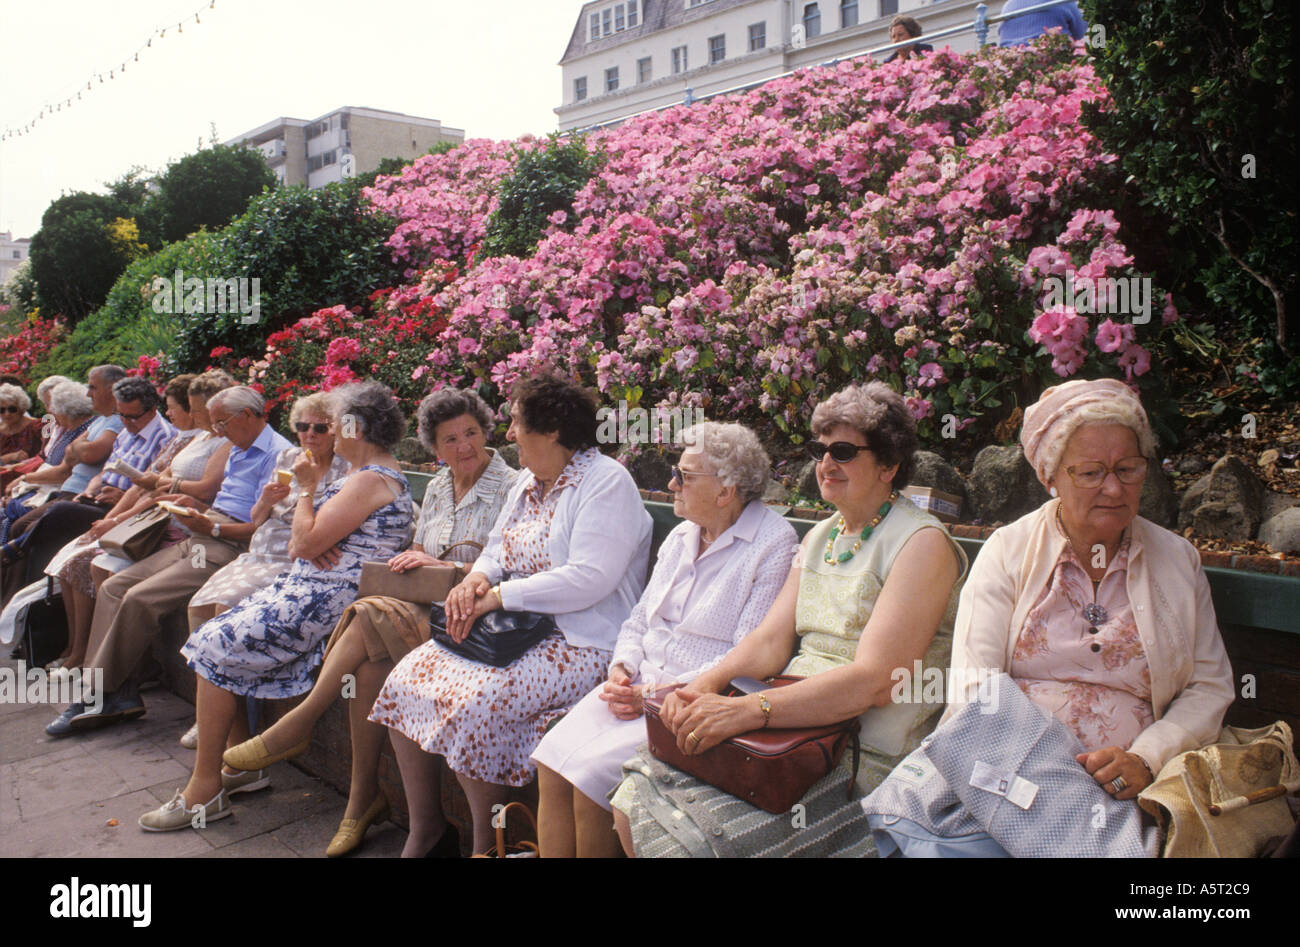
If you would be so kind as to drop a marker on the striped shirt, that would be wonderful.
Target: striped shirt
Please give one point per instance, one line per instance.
(138, 450)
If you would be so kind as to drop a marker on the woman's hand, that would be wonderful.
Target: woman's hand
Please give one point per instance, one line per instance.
(306, 472)
(409, 559)
(1106, 764)
(466, 602)
(274, 492)
(625, 701)
(711, 718)
(97, 529)
(146, 481)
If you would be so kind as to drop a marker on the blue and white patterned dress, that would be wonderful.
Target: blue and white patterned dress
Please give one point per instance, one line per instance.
(270, 643)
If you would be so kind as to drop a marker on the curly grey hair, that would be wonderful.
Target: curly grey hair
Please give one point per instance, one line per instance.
(379, 419)
(880, 415)
(449, 404)
(70, 399)
(137, 389)
(733, 453)
(12, 394)
(318, 403)
(48, 384)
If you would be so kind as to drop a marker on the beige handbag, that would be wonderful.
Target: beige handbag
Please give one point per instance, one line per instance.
(422, 586)
(1226, 800)
(138, 537)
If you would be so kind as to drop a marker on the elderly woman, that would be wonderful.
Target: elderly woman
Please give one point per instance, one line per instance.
(573, 541)
(269, 645)
(460, 505)
(73, 412)
(717, 575)
(20, 434)
(1103, 618)
(850, 613)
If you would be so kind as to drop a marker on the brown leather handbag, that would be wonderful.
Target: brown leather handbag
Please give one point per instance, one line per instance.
(770, 768)
(422, 586)
(138, 537)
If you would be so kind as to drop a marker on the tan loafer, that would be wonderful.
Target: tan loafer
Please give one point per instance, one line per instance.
(351, 831)
(252, 754)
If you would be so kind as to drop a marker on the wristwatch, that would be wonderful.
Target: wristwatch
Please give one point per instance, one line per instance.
(496, 590)
(216, 530)
(764, 706)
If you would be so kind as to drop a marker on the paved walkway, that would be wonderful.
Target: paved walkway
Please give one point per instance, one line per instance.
(60, 798)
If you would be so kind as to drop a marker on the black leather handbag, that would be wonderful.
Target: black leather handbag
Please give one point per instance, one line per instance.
(497, 638)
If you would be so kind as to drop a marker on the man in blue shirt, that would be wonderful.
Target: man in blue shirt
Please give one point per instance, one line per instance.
(1020, 30)
(130, 606)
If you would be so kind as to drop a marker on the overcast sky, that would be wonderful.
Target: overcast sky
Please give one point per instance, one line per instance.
(489, 68)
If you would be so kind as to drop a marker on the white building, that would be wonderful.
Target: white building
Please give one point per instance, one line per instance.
(12, 254)
(343, 143)
(631, 56)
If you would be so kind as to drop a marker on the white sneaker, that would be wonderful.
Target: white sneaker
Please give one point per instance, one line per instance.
(250, 781)
(175, 814)
(191, 738)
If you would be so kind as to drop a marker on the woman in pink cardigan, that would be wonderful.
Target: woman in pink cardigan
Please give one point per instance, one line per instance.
(1103, 618)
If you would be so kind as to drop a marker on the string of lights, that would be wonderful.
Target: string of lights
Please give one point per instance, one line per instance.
(99, 78)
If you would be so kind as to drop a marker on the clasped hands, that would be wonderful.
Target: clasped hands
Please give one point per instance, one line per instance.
(701, 720)
(466, 602)
(1106, 764)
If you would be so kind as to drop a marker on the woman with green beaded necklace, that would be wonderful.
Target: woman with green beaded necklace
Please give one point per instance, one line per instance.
(872, 591)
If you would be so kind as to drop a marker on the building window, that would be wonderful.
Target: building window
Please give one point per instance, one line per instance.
(848, 13)
(606, 21)
(643, 70)
(717, 49)
(679, 59)
(595, 26)
(696, 3)
(611, 79)
(631, 13)
(579, 88)
(620, 18)
(812, 21)
(757, 36)
(888, 7)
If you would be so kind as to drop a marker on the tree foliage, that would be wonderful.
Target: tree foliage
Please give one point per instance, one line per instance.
(1204, 123)
(208, 189)
(544, 181)
(75, 256)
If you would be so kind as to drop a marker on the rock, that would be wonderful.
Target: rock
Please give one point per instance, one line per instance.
(651, 467)
(931, 470)
(509, 453)
(1282, 532)
(1192, 465)
(1159, 502)
(411, 450)
(1002, 485)
(806, 482)
(775, 493)
(1275, 503)
(1227, 503)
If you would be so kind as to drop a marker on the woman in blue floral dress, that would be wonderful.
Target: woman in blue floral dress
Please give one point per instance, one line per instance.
(269, 644)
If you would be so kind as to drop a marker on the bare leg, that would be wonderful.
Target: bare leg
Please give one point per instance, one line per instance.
(423, 794)
(594, 828)
(80, 609)
(482, 797)
(347, 655)
(555, 803)
(367, 737)
(624, 829)
(216, 709)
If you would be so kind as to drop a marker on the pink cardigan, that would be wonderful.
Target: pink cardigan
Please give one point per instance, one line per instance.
(1191, 679)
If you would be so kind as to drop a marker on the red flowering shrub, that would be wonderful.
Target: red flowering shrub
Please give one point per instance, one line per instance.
(22, 350)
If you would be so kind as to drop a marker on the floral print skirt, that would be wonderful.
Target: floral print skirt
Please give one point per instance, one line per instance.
(486, 721)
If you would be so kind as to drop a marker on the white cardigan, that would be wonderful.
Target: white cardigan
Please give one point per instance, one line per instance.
(600, 545)
(1191, 679)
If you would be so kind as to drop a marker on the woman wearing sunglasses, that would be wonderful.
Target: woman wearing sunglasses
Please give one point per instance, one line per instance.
(1103, 618)
(872, 590)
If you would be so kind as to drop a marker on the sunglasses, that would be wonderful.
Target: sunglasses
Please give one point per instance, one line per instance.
(841, 451)
(10, 409)
(131, 417)
(302, 427)
(680, 475)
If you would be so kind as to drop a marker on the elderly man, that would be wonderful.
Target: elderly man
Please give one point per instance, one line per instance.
(130, 606)
(129, 404)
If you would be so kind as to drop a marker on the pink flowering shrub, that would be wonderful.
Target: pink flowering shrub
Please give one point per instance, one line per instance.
(22, 350)
(756, 252)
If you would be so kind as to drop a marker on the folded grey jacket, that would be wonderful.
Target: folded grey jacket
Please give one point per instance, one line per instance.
(1004, 767)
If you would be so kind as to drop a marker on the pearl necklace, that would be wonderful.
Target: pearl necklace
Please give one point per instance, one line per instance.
(866, 532)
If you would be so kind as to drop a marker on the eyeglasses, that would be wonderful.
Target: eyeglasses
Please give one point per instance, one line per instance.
(132, 417)
(302, 427)
(841, 451)
(221, 425)
(680, 475)
(10, 409)
(1091, 475)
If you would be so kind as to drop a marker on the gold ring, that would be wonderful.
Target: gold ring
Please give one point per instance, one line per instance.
(692, 736)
